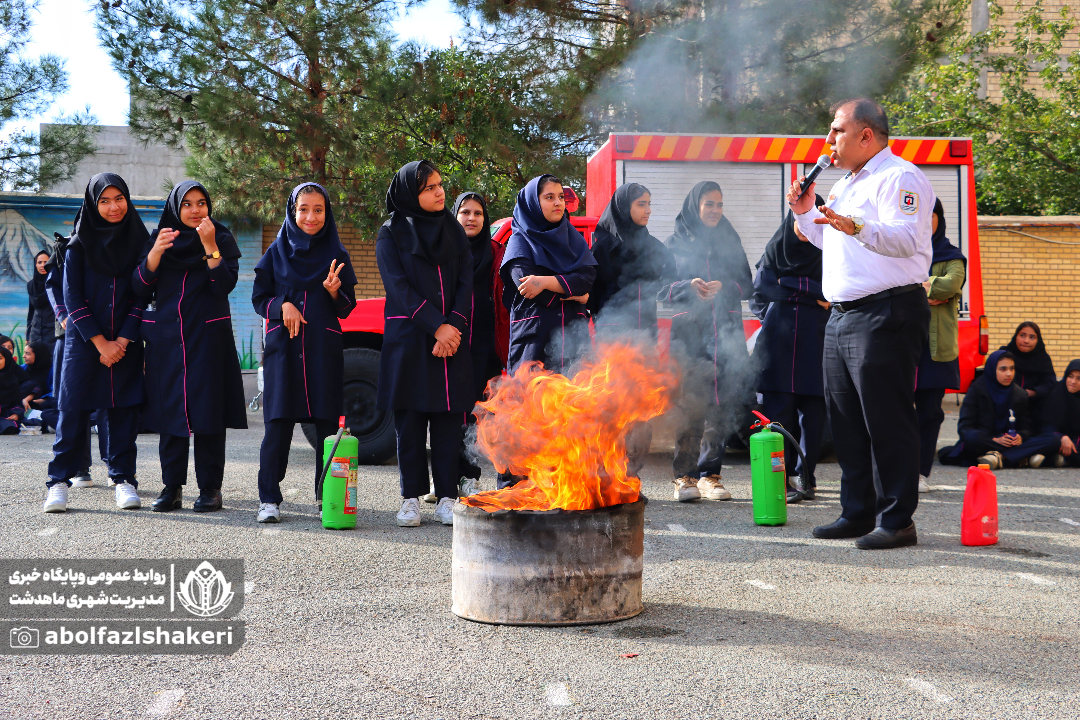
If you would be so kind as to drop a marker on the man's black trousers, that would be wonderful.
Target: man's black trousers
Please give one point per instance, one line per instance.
(871, 353)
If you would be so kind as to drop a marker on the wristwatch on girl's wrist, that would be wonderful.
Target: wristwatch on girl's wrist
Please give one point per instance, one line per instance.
(216, 255)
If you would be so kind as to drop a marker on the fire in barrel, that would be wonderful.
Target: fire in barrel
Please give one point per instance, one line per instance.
(563, 546)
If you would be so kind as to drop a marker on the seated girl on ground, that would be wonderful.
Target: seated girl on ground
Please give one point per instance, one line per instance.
(1061, 416)
(994, 427)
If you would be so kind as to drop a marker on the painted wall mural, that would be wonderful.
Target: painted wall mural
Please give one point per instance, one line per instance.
(27, 224)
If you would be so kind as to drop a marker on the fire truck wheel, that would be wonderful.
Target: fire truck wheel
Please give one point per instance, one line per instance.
(373, 428)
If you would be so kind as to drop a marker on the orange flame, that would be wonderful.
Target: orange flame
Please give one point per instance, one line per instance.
(568, 435)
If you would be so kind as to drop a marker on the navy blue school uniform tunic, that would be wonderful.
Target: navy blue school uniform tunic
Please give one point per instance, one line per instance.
(303, 376)
(420, 297)
(792, 337)
(193, 381)
(535, 322)
(709, 332)
(99, 305)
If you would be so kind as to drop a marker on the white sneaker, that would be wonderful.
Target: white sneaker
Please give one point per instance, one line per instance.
(268, 513)
(82, 481)
(686, 489)
(924, 487)
(409, 514)
(468, 487)
(56, 500)
(444, 511)
(1036, 461)
(712, 489)
(1059, 460)
(126, 497)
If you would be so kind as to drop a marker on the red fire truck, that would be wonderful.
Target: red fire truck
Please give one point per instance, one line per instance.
(754, 171)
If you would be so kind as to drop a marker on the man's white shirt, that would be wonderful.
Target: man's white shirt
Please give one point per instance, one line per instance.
(896, 202)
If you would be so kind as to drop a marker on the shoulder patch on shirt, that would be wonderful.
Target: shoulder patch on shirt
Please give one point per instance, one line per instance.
(909, 202)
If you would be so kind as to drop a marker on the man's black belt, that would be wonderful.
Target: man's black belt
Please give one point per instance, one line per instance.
(852, 304)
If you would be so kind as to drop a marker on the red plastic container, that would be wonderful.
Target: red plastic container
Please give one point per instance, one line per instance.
(979, 520)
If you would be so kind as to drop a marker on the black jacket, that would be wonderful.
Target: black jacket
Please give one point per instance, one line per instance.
(977, 418)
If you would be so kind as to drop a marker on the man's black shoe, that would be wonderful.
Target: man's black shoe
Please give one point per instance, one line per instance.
(842, 528)
(885, 539)
(171, 498)
(209, 501)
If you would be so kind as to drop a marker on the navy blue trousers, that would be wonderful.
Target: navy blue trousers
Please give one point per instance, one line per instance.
(804, 417)
(928, 409)
(701, 441)
(446, 438)
(209, 460)
(71, 449)
(274, 455)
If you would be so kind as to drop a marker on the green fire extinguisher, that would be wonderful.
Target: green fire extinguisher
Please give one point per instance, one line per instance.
(768, 473)
(336, 491)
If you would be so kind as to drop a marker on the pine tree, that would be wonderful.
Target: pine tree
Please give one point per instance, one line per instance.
(265, 94)
(755, 66)
(29, 87)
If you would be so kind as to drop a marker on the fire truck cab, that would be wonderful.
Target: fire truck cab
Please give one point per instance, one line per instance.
(754, 172)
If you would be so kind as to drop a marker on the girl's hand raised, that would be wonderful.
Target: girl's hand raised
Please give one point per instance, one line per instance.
(163, 242)
(332, 283)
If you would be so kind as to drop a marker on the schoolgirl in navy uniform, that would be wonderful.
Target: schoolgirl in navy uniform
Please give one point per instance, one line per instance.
(793, 312)
(103, 358)
(304, 284)
(190, 265)
(547, 273)
(426, 374)
(472, 213)
(707, 338)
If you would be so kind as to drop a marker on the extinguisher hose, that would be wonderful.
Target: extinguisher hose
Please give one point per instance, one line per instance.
(780, 429)
(330, 459)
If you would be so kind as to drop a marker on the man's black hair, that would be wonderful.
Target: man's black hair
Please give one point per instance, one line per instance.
(866, 113)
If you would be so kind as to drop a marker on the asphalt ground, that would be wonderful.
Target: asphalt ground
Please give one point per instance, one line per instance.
(741, 621)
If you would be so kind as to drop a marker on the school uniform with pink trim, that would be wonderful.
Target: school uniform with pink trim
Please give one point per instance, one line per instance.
(302, 376)
(193, 383)
(427, 270)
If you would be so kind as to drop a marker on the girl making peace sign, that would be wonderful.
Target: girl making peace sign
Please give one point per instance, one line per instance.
(304, 284)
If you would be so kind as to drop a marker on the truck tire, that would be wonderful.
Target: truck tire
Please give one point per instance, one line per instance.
(373, 428)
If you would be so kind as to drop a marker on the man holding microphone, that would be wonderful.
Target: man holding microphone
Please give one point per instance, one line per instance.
(874, 232)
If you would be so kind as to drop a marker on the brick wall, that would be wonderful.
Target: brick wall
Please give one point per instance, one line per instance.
(1025, 278)
(361, 252)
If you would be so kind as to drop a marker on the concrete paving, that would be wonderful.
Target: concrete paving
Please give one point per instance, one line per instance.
(741, 621)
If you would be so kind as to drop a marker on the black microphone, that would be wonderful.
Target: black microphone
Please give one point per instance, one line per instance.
(823, 162)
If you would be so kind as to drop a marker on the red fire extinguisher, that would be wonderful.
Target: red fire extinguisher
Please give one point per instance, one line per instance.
(979, 518)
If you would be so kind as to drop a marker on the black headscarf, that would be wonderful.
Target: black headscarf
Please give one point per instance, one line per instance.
(788, 256)
(1062, 410)
(616, 222)
(433, 236)
(943, 249)
(1035, 361)
(12, 376)
(187, 251)
(480, 244)
(1000, 395)
(302, 261)
(559, 247)
(690, 228)
(111, 249)
(35, 286)
(41, 369)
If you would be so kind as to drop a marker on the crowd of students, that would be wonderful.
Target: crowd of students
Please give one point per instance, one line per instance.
(459, 309)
